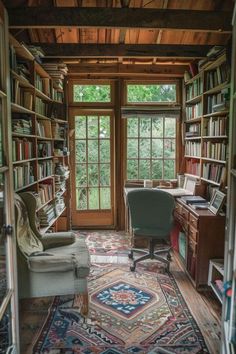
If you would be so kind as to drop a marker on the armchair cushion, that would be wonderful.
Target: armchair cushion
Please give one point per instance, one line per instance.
(57, 239)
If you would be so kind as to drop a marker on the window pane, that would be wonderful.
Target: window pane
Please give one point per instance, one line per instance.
(170, 127)
(132, 148)
(92, 127)
(132, 127)
(81, 175)
(93, 198)
(145, 127)
(151, 93)
(169, 169)
(157, 127)
(1, 142)
(93, 175)
(104, 127)
(105, 150)
(80, 150)
(157, 148)
(92, 150)
(169, 148)
(105, 198)
(144, 169)
(81, 197)
(80, 127)
(132, 169)
(91, 93)
(144, 148)
(157, 169)
(105, 175)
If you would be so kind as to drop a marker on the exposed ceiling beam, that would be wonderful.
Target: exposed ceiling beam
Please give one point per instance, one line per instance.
(48, 17)
(72, 50)
(127, 69)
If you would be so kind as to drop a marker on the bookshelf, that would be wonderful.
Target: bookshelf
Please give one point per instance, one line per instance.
(206, 123)
(39, 136)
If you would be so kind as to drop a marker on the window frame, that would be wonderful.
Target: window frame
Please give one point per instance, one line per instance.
(73, 82)
(151, 82)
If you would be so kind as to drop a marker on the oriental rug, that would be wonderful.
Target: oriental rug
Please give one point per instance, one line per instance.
(130, 312)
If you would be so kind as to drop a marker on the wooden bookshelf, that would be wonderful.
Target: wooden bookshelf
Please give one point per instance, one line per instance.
(39, 135)
(206, 123)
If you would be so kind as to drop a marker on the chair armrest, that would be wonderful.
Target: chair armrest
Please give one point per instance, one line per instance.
(45, 262)
(57, 239)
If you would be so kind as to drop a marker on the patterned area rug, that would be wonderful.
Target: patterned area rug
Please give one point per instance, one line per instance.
(130, 312)
(107, 242)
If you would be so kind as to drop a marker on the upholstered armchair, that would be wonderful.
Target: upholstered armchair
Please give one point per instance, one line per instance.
(54, 264)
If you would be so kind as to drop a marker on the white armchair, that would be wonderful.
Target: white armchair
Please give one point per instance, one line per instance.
(54, 264)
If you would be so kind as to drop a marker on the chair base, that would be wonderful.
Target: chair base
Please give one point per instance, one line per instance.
(151, 254)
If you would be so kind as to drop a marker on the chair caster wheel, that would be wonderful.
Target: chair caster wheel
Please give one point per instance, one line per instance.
(132, 268)
(130, 255)
(169, 257)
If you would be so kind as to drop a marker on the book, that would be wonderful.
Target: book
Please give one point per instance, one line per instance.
(192, 199)
(202, 206)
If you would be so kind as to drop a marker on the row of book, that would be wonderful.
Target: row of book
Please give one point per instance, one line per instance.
(192, 148)
(194, 89)
(193, 167)
(23, 175)
(214, 101)
(58, 131)
(44, 149)
(217, 76)
(214, 172)
(215, 126)
(194, 111)
(22, 149)
(214, 150)
(45, 192)
(20, 95)
(45, 169)
(193, 130)
(44, 128)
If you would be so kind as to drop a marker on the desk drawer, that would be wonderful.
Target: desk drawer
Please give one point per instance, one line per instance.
(193, 220)
(193, 233)
(185, 213)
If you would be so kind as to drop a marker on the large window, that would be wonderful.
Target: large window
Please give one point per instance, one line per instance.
(151, 147)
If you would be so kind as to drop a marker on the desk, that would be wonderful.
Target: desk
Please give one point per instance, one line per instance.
(197, 237)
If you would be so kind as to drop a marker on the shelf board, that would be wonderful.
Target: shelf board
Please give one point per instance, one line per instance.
(42, 95)
(23, 135)
(215, 137)
(213, 160)
(194, 99)
(193, 120)
(217, 88)
(192, 138)
(41, 116)
(43, 205)
(2, 94)
(190, 81)
(44, 158)
(216, 291)
(43, 138)
(45, 178)
(23, 161)
(192, 157)
(192, 175)
(22, 80)
(25, 187)
(20, 109)
(214, 114)
(210, 181)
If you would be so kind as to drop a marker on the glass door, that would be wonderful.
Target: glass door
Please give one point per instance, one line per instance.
(92, 168)
(9, 339)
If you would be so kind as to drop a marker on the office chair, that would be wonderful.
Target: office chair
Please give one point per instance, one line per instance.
(151, 215)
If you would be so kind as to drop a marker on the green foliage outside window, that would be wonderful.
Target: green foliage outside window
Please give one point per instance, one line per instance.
(92, 93)
(139, 93)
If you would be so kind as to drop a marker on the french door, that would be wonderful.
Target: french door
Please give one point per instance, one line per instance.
(92, 166)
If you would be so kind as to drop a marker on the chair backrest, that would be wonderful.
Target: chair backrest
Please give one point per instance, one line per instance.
(151, 209)
(27, 242)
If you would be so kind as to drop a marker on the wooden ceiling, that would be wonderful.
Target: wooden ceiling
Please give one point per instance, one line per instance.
(127, 34)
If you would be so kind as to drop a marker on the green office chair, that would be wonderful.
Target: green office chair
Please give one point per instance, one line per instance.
(151, 215)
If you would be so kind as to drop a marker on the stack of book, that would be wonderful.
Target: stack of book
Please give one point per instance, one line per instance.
(46, 215)
(22, 125)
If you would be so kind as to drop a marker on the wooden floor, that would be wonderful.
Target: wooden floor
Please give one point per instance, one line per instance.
(205, 308)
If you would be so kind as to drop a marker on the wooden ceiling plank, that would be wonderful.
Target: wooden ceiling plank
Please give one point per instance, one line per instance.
(31, 17)
(122, 50)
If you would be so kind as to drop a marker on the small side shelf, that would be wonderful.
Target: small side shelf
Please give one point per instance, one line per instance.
(215, 276)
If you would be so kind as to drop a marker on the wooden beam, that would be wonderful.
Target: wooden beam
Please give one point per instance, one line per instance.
(48, 17)
(71, 50)
(114, 70)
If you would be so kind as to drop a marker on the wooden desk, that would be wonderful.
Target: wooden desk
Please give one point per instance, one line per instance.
(203, 234)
